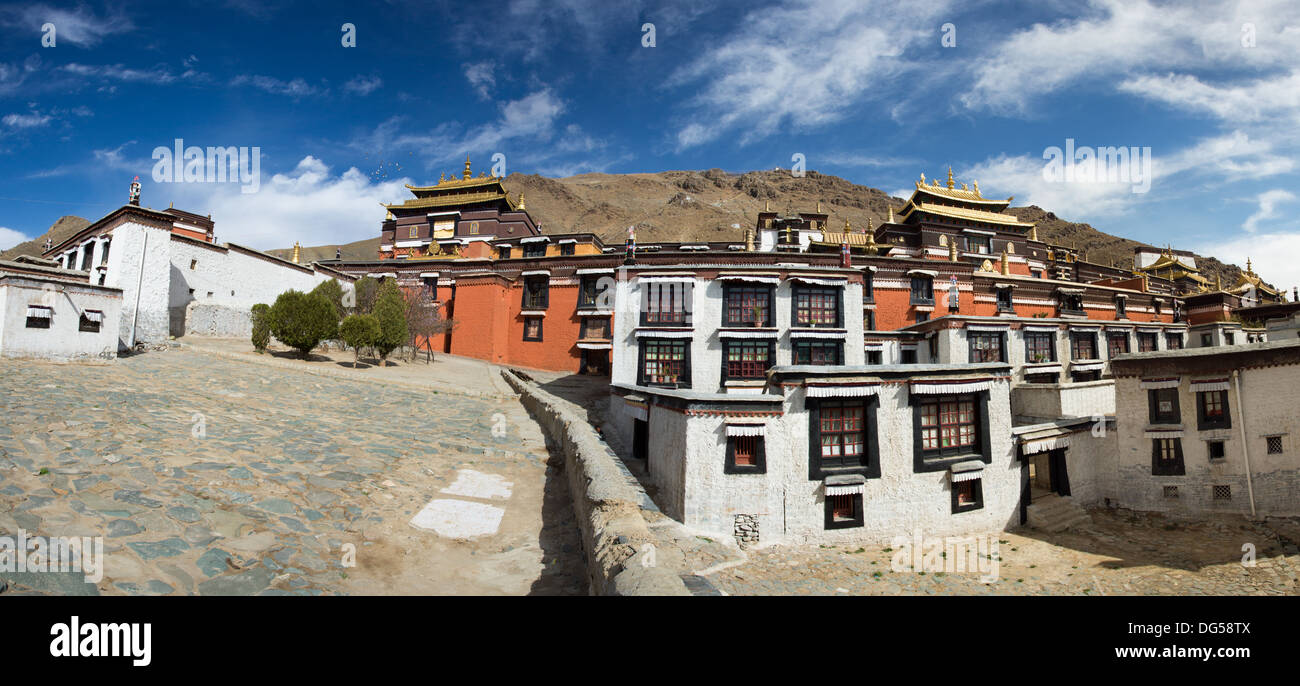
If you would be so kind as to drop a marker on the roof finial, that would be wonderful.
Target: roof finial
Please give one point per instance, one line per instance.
(1249, 270)
(891, 214)
(847, 226)
(467, 172)
(767, 205)
(976, 186)
(869, 229)
(922, 178)
(296, 249)
(949, 178)
(521, 200)
(819, 207)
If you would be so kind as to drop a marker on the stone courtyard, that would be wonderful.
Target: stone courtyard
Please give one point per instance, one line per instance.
(209, 475)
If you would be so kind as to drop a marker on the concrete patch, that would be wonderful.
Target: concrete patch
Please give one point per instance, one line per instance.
(474, 484)
(458, 518)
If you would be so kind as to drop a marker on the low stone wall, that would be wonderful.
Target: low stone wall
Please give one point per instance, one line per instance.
(204, 319)
(617, 542)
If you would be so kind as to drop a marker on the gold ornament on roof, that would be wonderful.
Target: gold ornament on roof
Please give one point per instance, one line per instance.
(949, 178)
(891, 214)
(468, 173)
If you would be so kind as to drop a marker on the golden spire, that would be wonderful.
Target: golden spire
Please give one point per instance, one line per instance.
(922, 178)
(1033, 232)
(521, 200)
(1249, 270)
(1218, 282)
(848, 227)
(952, 251)
(950, 178)
(468, 174)
(1006, 264)
(749, 240)
(296, 250)
(819, 207)
(767, 205)
(891, 214)
(870, 231)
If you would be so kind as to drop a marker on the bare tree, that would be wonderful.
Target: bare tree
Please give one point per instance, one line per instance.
(424, 320)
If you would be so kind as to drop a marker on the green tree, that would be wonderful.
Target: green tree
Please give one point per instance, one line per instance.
(359, 331)
(364, 292)
(261, 326)
(333, 292)
(390, 310)
(302, 320)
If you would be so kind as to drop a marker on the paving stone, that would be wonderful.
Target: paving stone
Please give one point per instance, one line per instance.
(154, 549)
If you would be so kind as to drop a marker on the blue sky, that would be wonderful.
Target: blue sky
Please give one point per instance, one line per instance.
(869, 91)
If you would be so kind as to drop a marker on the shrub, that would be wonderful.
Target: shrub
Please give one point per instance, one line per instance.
(333, 292)
(364, 292)
(261, 327)
(390, 310)
(301, 320)
(359, 331)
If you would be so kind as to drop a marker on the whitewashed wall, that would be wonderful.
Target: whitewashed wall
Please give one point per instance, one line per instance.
(138, 264)
(63, 340)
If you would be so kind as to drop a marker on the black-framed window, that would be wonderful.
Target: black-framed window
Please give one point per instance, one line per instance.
(922, 290)
(948, 429)
(1174, 341)
(745, 455)
(535, 249)
(868, 286)
(1040, 346)
(1216, 449)
(844, 511)
(533, 328)
(39, 316)
(1163, 406)
(1116, 344)
(869, 319)
(665, 304)
(986, 346)
(967, 495)
(430, 286)
(594, 329)
(1004, 300)
(589, 292)
(874, 357)
(90, 321)
(665, 362)
(1083, 345)
(842, 437)
(818, 352)
(747, 358)
(1230, 338)
(87, 254)
(1212, 410)
(1071, 303)
(503, 252)
(1167, 457)
(537, 292)
(1148, 342)
(907, 356)
(103, 253)
(1121, 307)
(816, 306)
(567, 248)
(922, 317)
(747, 305)
(978, 244)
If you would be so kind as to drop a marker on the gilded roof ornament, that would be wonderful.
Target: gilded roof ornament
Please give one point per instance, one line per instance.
(950, 178)
(891, 214)
(976, 187)
(521, 200)
(468, 173)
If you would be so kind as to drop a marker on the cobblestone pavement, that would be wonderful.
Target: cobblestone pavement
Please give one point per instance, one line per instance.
(1121, 553)
(214, 476)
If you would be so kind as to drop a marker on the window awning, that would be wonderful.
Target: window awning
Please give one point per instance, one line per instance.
(636, 410)
(1156, 384)
(982, 327)
(813, 281)
(844, 484)
(533, 313)
(1090, 366)
(943, 387)
(747, 333)
(535, 272)
(666, 279)
(93, 315)
(428, 275)
(660, 333)
(745, 429)
(1042, 329)
(38, 311)
(1147, 330)
(753, 278)
(969, 470)
(1042, 368)
(535, 239)
(1043, 441)
(1069, 291)
(381, 275)
(1163, 433)
(564, 241)
(814, 333)
(923, 272)
(841, 388)
(1206, 385)
(596, 346)
(593, 271)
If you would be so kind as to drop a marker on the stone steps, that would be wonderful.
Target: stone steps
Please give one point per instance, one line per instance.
(1056, 513)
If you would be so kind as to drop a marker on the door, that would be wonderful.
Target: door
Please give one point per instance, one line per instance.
(641, 441)
(1060, 480)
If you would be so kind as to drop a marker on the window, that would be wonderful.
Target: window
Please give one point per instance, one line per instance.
(1050, 377)
(1170, 491)
(103, 255)
(844, 511)
(922, 317)
(535, 249)
(1040, 346)
(907, 356)
(536, 292)
(665, 362)
(985, 346)
(1212, 410)
(967, 495)
(1230, 337)
(1164, 406)
(870, 317)
(922, 290)
(979, 244)
(665, 304)
(503, 252)
(1174, 341)
(1167, 457)
(1216, 450)
(194, 263)
(532, 328)
(1116, 344)
(589, 293)
(567, 248)
(414, 232)
(1155, 304)
(90, 321)
(1121, 311)
(87, 255)
(1221, 493)
(868, 286)
(1071, 303)
(819, 352)
(595, 329)
(816, 307)
(1083, 346)
(840, 435)
(746, 359)
(745, 455)
(873, 357)
(38, 317)
(1205, 340)
(1004, 300)
(430, 287)
(1036, 273)
(949, 426)
(748, 305)
(1147, 342)
(1274, 445)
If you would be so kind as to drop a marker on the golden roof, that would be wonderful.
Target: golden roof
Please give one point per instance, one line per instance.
(962, 194)
(965, 213)
(853, 239)
(453, 200)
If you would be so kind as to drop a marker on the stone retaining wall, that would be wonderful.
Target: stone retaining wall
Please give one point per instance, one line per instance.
(617, 542)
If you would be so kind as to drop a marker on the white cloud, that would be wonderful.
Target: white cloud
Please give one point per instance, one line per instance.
(309, 204)
(80, 27)
(1272, 256)
(26, 121)
(1268, 202)
(481, 78)
(9, 238)
(363, 85)
(158, 75)
(295, 88)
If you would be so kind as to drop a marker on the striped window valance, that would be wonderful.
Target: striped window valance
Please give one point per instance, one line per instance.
(1085, 329)
(982, 327)
(923, 272)
(946, 387)
(655, 333)
(743, 333)
(535, 239)
(1042, 445)
(826, 390)
(1157, 384)
(819, 282)
(38, 311)
(1042, 329)
(593, 271)
(1163, 433)
(750, 278)
(428, 275)
(965, 476)
(93, 315)
(834, 486)
(1147, 330)
(595, 346)
(813, 333)
(1086, 366)
(535, 272)
(565, 241)
(666, 279)
(1205, 385)
(745, 429)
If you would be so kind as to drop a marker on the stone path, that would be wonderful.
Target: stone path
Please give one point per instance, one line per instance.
(207, 475)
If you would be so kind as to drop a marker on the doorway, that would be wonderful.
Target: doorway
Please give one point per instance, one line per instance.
(641, 441)
(1048, 474)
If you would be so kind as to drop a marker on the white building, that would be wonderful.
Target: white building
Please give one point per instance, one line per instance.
(52, 313)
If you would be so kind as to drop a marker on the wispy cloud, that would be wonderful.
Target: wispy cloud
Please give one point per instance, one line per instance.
(1268, 202)
(25, 121)
(363, 85)
(294, 88)
(481, 78)
(81, 27)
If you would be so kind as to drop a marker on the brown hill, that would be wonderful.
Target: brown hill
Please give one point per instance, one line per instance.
(717, 205)
(61, 229)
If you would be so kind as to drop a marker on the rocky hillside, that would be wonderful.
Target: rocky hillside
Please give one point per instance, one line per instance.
(64, 227)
